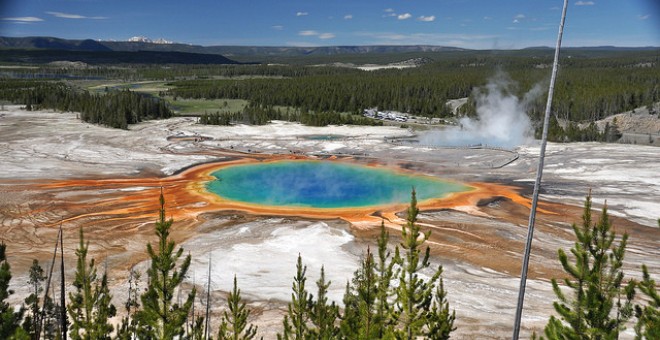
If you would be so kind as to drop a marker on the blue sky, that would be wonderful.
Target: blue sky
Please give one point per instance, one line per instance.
(480, 24)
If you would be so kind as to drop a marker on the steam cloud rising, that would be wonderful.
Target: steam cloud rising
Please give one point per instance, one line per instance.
(501, 120)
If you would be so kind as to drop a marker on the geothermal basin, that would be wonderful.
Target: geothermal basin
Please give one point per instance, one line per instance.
(57, 170)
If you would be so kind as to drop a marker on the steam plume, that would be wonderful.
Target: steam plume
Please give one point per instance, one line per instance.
(501, 120)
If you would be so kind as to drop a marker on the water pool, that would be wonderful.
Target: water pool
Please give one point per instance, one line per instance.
(323, 184)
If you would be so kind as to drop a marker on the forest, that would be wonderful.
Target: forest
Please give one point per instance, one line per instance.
(599, 302)
(591, 85)
(115, 109)
(586, 90)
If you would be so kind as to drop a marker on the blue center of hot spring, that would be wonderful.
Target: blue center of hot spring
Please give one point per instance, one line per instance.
(319, 184)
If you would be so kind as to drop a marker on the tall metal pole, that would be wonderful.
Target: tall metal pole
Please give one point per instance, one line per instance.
(208, 302)
(63, 290)
(537, 183)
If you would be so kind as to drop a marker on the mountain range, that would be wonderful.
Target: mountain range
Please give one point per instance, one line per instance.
(156, 46)
(33, 49)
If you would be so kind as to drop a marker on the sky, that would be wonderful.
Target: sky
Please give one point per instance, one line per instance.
(476, 24)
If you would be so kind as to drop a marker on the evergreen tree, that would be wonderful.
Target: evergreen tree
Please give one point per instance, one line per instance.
(50, 319)
(415, 294)
(128, 327)
(234, 325)
(594, 309)
(360, 320)
(295, 322)
(195, 330)
(90, 306)
(36, 277)
(104, 310)
(9, 319)
(648, 317)
(323, 315)
(386, 271)
(349, 325)
(440, 322)
(160, 317)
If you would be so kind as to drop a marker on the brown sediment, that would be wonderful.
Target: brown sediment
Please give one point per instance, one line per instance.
(187, 197)
(119, 216)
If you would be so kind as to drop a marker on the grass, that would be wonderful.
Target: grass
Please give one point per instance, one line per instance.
(149, 87)
(195, 107)
(184, 107)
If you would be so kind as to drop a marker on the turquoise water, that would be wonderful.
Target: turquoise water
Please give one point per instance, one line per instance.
(319, 184)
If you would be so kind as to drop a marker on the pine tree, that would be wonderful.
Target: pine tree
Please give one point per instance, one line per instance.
(195, 331)
(160, 317)
(295, 322)
(104, 310)
(90, 306)
(386, 271)
(594, 309)
(415, 294)
(50, 319)
(440, 322)
(9, 319)
(360, 320)
(128, 327)
(234, 325)
(349, 325)
(81, 303)
(323, 315)
(648, 316)
(36, 277)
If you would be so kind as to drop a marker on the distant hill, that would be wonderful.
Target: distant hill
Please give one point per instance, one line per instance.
(52, 44)
(265, 54)
(145, 45)
(44, 56)
(48, 49)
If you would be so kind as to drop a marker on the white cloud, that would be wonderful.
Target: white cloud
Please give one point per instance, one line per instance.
(72, 16)
(388, 13)
(426, 18)
(348, 16)
(404, 16)
(326, 36)
(488, 18)
(301, 14)
(277, 27)
(585, 3)
(644, 17)
(23, 19)
(308, 33)
(312, 33)
(440, 39)
(518, 18)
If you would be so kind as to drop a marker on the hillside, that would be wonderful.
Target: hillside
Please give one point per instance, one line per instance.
(302, 55)
(44, 56)
(638, 126)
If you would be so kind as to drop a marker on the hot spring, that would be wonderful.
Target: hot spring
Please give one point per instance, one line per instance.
(323, 184)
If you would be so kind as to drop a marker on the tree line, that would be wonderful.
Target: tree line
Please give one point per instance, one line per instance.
(591, 86)
(587, 89)
(115, 109)
(596, 301)
(259, 115)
